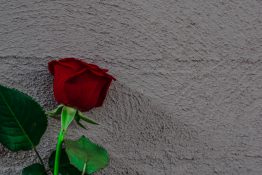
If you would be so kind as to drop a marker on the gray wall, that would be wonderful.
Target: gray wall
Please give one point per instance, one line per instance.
(188, 99)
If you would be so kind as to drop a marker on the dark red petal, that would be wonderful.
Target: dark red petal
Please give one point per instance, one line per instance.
(77, 64)
(59, 83)
(103, 92)
(83, 90)
(73, 63)
(79, 84)
(51, 66)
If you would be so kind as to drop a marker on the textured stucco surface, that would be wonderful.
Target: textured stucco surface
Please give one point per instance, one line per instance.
(188, 99)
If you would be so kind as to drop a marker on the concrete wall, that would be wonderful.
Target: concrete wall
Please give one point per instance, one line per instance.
(188, 99)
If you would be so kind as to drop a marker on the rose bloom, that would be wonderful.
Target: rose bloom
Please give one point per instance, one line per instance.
(79, 84)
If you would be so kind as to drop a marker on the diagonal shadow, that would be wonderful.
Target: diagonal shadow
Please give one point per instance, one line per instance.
(138, 133)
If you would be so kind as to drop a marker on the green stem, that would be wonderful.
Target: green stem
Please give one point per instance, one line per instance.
(39, 157)
(67, 116)
(58, 151)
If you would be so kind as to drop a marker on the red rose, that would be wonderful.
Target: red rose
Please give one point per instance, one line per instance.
(79, 84)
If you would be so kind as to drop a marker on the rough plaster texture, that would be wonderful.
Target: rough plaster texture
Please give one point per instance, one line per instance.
(188, 99)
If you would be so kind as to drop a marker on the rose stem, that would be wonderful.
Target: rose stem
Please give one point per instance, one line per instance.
(39, 157)
(58, 151)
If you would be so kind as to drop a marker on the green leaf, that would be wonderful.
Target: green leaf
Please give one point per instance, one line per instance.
(83, 151)
(65, 168)
(35, 169)
(67, 117)
(22, 120)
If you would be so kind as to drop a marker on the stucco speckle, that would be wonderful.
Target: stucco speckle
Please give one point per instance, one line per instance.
(188, 99)
(140, 137)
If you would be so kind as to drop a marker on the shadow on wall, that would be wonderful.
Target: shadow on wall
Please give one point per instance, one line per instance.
(140, 137)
